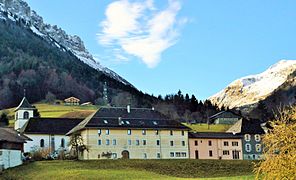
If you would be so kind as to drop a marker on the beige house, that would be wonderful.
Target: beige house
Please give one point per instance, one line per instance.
(72, 101)
(135, 133)
(214, 145)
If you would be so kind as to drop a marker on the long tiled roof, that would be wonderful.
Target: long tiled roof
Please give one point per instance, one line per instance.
(142, 118)
(10, 135)
(50, 125)
(213, 135)
(225, 113)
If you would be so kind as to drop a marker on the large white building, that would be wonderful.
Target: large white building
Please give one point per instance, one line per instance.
(44, 132)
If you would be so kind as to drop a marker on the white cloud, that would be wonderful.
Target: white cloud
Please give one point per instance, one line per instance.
(140, 29)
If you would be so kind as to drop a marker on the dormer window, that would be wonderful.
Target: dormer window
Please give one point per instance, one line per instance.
(247, 137)
(26, 115)
(154, 122)
(105, 121)
(127, 122)
(143, 132)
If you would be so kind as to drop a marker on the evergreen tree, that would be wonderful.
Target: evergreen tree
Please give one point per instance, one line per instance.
(187, 99)
(4, 119)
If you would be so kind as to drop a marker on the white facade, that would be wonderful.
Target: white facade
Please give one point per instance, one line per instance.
(54, 142)
(10, 158)
(21, 117)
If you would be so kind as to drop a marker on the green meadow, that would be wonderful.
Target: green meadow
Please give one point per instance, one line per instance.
(208, 128)
(50, 110)
(132, 169)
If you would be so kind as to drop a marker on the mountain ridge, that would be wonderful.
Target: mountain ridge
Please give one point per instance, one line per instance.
(249, 90)
(18, 10)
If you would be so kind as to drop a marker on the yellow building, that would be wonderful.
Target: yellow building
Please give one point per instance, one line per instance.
(136, 133)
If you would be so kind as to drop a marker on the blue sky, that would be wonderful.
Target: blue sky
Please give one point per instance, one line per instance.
(193, 45)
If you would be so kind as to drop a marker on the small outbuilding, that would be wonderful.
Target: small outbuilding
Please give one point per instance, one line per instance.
(11, 148)
(72, 101)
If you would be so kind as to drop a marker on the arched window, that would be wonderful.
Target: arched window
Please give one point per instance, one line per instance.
(63, 143)
(26, 115)
(248, 147)
(258, 147)
(42, 143)
(257, 137)
(247, 137)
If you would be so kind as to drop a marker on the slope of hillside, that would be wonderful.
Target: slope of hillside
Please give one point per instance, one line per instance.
(251, 89)
(19, 11)
(44, 59)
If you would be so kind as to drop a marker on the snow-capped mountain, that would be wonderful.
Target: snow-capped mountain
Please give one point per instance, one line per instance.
(251, 89)
(18, 10)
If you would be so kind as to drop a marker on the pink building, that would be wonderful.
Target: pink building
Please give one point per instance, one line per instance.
(214, 145)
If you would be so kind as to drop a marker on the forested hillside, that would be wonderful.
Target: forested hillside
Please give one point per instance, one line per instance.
(29, 62)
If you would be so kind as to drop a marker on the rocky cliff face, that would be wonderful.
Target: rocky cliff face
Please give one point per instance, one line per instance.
(251, 89)
(18, 10)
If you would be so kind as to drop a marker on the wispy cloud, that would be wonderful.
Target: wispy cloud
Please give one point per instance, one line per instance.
(140, 29)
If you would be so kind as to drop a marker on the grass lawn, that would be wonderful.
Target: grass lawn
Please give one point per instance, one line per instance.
(208, 128)
(50, 110)
(132, 169)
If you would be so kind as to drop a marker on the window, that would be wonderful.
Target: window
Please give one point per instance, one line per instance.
(114, 155)
(99, 142)
(129, 132)
(258, 147)
(42, 143)
(257, 138)
(137, 142)
(171, 132)
(144, 142)
(107, 131)
(26, 115)
(99, 132)
(127, 122)
(172, 154)
(178, 154)
(145, 156)
(1, 153)
(172, 143)
(114, 142)
(154, 122)
(183, 143)
(195, 143)
(210, 143)
(210, 153)
(105, 121)
(248, 147)
(225, 152)
(143, 132)
(158, 155)
(235, 154)
(235, 143)
(129, 142)
(157, 142)
(247, 137)
(183, 133)
(156, 132)
(63, 143)
(107, 142)
(225, 143)
(183, 154)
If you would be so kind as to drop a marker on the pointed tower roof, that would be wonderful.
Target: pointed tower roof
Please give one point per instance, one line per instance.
(24, 105)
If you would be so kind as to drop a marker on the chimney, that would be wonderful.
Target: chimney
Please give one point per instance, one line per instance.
(119, 120)
(128, 108)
